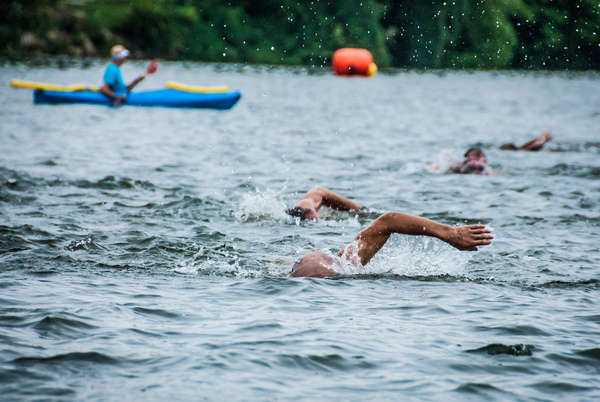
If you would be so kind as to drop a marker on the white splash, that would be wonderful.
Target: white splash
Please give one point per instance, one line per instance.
(216, 267)
(186, 268)
(261, 205)
(418, 256)
(414, 167)
(349, 262)
(446, 158)
(338, 219)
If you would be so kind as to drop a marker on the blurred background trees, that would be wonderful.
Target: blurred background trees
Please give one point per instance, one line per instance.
(485, 34)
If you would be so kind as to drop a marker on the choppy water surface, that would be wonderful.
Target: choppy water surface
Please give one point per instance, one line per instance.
(144, 251)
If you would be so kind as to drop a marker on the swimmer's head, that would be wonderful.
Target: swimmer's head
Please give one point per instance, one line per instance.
(474, 167)
(302, 213)
(476, 154)
(315, 264)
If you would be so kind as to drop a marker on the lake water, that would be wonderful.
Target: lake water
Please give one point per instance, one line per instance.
(144, 251)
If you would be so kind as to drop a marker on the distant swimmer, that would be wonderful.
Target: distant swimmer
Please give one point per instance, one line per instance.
(311, 202)
(535, 144)
(475, 162)
(368, 242)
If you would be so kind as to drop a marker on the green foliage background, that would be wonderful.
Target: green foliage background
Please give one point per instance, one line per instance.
(485, 34)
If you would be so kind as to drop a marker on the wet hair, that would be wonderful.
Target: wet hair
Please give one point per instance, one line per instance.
(477, 153)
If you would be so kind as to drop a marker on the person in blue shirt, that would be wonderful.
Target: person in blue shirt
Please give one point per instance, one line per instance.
(113, 85)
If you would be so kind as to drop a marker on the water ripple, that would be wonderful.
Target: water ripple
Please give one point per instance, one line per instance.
(62, 327)
(526, 330)
(73, 357)
(324, 363)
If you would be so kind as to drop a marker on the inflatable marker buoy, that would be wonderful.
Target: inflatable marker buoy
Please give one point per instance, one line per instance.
(350, 61)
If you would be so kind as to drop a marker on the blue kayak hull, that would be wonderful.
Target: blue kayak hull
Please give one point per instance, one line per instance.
(160, 97)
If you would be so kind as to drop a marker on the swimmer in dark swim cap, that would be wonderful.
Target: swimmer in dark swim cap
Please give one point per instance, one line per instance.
(311, 202)
(368, 242)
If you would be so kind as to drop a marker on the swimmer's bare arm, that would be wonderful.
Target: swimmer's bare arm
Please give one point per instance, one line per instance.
(538, 142)
(319, 196)
(535, 144)
(374, 237)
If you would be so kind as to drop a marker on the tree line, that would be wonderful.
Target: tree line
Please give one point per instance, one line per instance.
(436, 34)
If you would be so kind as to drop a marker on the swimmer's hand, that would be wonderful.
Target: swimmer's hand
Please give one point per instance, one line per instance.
(467, 238)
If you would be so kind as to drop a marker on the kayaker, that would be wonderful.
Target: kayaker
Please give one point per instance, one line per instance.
(318, 264)
(113, 85)
(309, 204)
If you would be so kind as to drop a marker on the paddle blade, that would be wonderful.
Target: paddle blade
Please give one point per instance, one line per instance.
(152, 67)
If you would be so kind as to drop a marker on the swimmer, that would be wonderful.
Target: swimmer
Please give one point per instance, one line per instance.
(475, 163)
(317, 264)
(311, 202)
(535, 144)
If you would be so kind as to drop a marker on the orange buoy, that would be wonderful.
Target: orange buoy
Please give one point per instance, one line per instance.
(349, 61)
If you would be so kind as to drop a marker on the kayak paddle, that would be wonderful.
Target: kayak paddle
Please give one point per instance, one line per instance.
(152, 67)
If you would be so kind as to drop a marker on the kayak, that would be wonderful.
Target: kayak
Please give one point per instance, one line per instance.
(82, 87)
(160, 97)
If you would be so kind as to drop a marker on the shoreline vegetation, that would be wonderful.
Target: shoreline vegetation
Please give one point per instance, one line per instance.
(459, 34)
